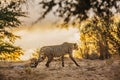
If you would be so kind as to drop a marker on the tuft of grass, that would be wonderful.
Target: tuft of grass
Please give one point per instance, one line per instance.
(109, 61)
(28, 70)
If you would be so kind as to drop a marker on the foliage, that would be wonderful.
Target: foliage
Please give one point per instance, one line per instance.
(10, 11)
(78, 10)
(97, 36)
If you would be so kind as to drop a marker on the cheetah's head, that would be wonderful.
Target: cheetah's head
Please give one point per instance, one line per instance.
(34, 63)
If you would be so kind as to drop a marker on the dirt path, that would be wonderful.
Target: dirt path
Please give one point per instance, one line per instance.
(88, 70)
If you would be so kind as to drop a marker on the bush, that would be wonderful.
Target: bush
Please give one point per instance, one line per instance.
(92, 56)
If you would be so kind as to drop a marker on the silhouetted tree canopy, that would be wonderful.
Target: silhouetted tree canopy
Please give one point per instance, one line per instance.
(10, 11)
(79, 9)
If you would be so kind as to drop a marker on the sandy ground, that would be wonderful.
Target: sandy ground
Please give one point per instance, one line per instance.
(88, 70)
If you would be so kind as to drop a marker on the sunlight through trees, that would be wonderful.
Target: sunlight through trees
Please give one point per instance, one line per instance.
(10, 11)
(98, 31)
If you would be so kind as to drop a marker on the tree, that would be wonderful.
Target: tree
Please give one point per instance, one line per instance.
(79, 9)
(94, 31)
(10, 11)
(76, 11)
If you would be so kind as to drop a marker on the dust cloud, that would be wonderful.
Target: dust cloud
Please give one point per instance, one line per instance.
(36, 37)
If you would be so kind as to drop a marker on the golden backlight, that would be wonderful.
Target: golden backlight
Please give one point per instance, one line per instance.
(36, 37)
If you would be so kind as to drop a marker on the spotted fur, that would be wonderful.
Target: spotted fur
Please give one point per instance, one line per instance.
(56, 51)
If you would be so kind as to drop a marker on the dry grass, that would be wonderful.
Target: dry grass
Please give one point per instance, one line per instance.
(88, 70)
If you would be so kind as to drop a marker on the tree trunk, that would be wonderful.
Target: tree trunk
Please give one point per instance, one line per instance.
(101, 50)
(107, 54)
(103, 45)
